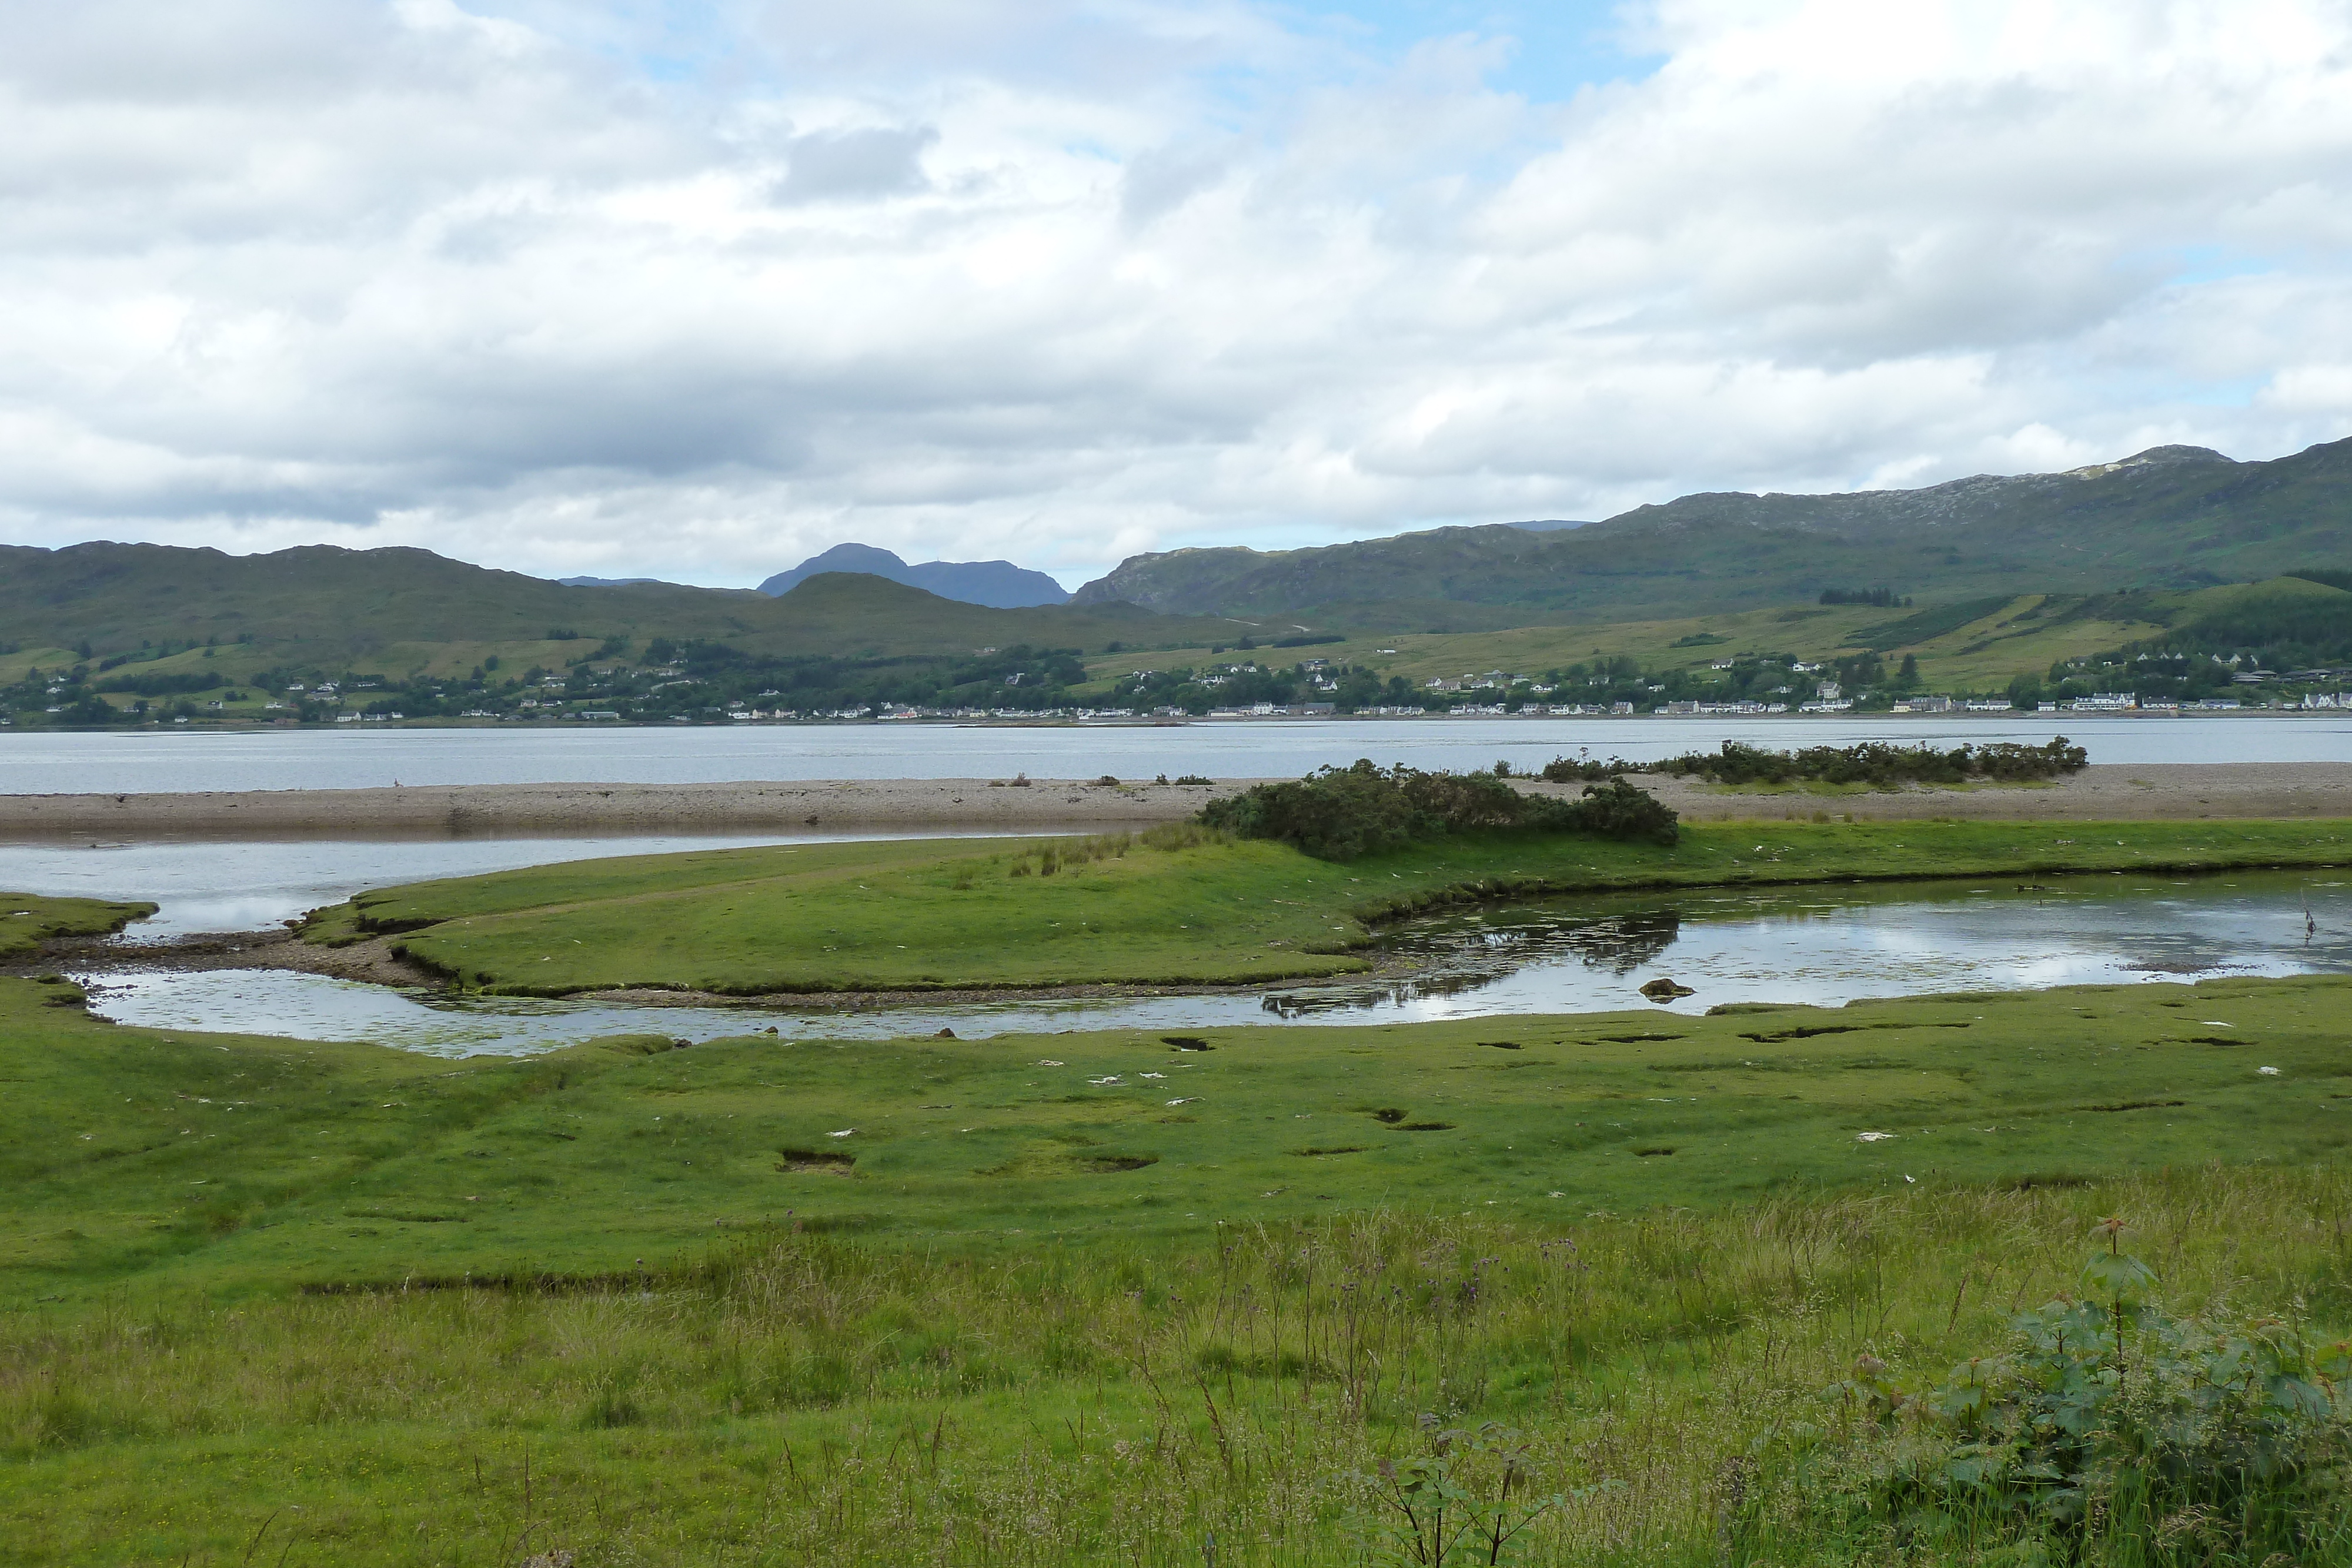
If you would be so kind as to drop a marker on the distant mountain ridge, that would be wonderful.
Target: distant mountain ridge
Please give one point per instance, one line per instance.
(2171, 516)
(322, 602)
(999, 584)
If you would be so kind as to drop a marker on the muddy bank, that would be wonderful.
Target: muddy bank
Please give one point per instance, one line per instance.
(371, 960)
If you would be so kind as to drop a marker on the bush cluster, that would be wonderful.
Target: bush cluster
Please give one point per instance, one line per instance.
(1568, 770)
(1875, 762)
(1872, 762)
(1341, 813)
(2110, 1422)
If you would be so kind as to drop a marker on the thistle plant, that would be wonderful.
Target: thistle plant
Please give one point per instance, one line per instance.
(1467, 1500)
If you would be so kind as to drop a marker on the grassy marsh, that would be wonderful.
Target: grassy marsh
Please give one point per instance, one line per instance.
(1173, 904)
(136, 1157)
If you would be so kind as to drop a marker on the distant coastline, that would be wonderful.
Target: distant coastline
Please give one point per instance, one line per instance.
(1116, 720)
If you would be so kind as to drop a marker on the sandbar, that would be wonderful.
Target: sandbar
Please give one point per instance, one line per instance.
(2119, 792)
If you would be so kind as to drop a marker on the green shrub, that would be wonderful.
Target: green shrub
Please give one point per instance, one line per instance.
(2112, 1431)
(1341, 813)
(1618, 810)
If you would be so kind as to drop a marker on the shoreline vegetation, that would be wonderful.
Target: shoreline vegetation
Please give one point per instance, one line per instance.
(1342, 814)
(1880, 765)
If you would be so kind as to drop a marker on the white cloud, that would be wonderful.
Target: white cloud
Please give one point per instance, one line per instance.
(542, 286)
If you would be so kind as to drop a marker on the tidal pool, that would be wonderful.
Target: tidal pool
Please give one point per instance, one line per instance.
(1825, 945)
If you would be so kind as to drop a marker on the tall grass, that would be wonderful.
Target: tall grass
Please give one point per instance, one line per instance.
(800, 1398)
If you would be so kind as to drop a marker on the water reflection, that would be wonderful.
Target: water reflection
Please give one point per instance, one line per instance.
(1626, 944)
(1463, 962)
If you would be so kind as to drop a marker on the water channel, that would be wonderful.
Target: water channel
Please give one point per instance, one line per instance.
(1823, 945)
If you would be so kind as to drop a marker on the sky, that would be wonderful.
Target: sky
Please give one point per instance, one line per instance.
(645, 287)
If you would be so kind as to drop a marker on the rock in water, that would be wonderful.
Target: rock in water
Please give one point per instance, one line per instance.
(1662, 990)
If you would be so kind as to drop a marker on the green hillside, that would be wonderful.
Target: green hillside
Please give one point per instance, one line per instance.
(2171, 518)
(2291, 629)
(105, 633)
(2028, 647)
(323, 604)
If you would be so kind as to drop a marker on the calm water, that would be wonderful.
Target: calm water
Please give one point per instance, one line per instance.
(1805, 945)
(313, 759)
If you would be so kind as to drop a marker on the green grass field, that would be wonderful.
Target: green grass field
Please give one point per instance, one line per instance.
(1074, 1298)
(1173, 904)
(230, 1162)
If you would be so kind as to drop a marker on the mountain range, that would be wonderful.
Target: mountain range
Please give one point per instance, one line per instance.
(997, 583)
(2171, 516)
(324, 604)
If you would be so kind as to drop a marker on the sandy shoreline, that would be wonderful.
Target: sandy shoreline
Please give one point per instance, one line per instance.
(2119, 792)
(474, 810)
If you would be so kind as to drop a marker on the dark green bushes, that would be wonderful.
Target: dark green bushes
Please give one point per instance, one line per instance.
(1568, 770)
(163, 686)
(1875, 762)
(1339, 813)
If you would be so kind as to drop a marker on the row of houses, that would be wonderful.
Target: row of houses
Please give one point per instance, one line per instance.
(2127, 702)
(1744, 709)
(1830, 704)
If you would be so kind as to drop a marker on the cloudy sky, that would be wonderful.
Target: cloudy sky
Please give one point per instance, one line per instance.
(694, 290)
